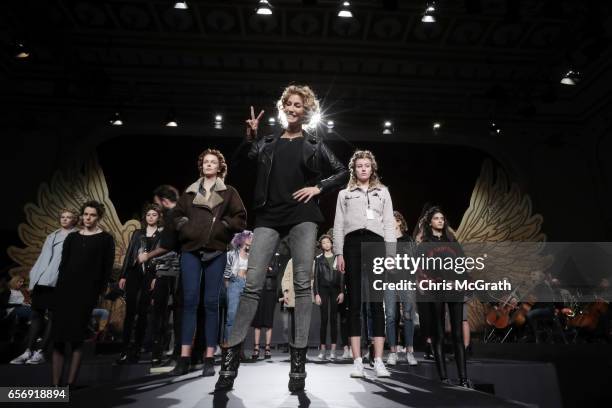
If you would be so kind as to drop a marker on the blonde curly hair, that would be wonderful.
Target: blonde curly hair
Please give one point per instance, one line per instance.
(75, 213)
(311, 105)
(222, 172)
(400, 218)
(363, 154)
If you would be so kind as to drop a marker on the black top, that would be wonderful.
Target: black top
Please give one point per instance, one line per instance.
(169, 237)
(287, 176)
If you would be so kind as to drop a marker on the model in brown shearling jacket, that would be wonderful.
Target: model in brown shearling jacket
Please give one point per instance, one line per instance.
(209, 224)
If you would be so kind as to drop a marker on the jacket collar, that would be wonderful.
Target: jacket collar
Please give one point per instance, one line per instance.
(215, 198)
(58, 238)
(377, 186)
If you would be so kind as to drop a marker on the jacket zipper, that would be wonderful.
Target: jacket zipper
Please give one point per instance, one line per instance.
(210, 230)
(268, 178)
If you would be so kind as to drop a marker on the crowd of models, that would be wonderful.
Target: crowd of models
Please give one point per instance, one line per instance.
(180, 257)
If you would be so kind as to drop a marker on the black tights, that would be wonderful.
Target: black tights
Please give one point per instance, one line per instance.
(36, 327)
(436, 312)
(59, 354)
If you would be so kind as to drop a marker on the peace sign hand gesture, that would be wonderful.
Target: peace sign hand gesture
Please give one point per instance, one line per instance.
(252, 124)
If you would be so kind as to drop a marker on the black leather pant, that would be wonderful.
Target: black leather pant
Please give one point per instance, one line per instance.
(435, 327)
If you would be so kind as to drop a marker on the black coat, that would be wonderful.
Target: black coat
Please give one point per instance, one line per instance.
(318, 160)
(86, 266)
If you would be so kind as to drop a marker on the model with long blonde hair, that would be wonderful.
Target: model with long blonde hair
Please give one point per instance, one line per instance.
(364, 214)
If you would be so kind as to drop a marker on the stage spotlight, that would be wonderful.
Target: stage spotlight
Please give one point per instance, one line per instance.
(264, 8)
(330, 126)
(387, 128)
(116, 119)
(315, 120)
(181, 5)
(429, 16)
(345, 10)
(21, 51)
(436, 126)
(271, 121)
(571, 78)
(494, 128)
(218, 121)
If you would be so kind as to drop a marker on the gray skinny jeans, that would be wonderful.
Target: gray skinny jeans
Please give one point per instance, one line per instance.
(302, 239)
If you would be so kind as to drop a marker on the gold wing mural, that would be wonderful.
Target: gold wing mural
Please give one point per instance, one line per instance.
(68, 190)
(500, 213)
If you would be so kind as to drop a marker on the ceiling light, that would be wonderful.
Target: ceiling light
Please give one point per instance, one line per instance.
(264, 8)
(571, 78)
(171, 119)
(494, 129)
(181, 5)
(345, 10)
(387, 128)
(21, 51)
(429, 16)
(218, 121)
(116, 119)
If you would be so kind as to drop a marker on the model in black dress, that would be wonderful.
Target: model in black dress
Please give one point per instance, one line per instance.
(87, 262)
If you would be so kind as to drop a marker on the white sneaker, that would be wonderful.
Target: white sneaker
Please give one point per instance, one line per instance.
(347, 354)
(321, 356)
(22, 358)
(380, 369)
(37, 358)
(357, 368)
(392, 359)
(332, 355)
(411, 360)
(217, 351)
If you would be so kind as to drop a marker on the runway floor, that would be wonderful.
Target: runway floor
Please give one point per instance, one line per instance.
(264, 384)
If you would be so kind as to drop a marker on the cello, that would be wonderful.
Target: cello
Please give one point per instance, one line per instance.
(499, 316)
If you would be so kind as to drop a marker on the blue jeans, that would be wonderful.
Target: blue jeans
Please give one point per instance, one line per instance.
(234, 290)
(193, 270)
(391, 300)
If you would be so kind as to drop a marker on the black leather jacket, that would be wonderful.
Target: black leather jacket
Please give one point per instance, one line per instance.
(325, 276)
(136, 246)
(318, 159)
